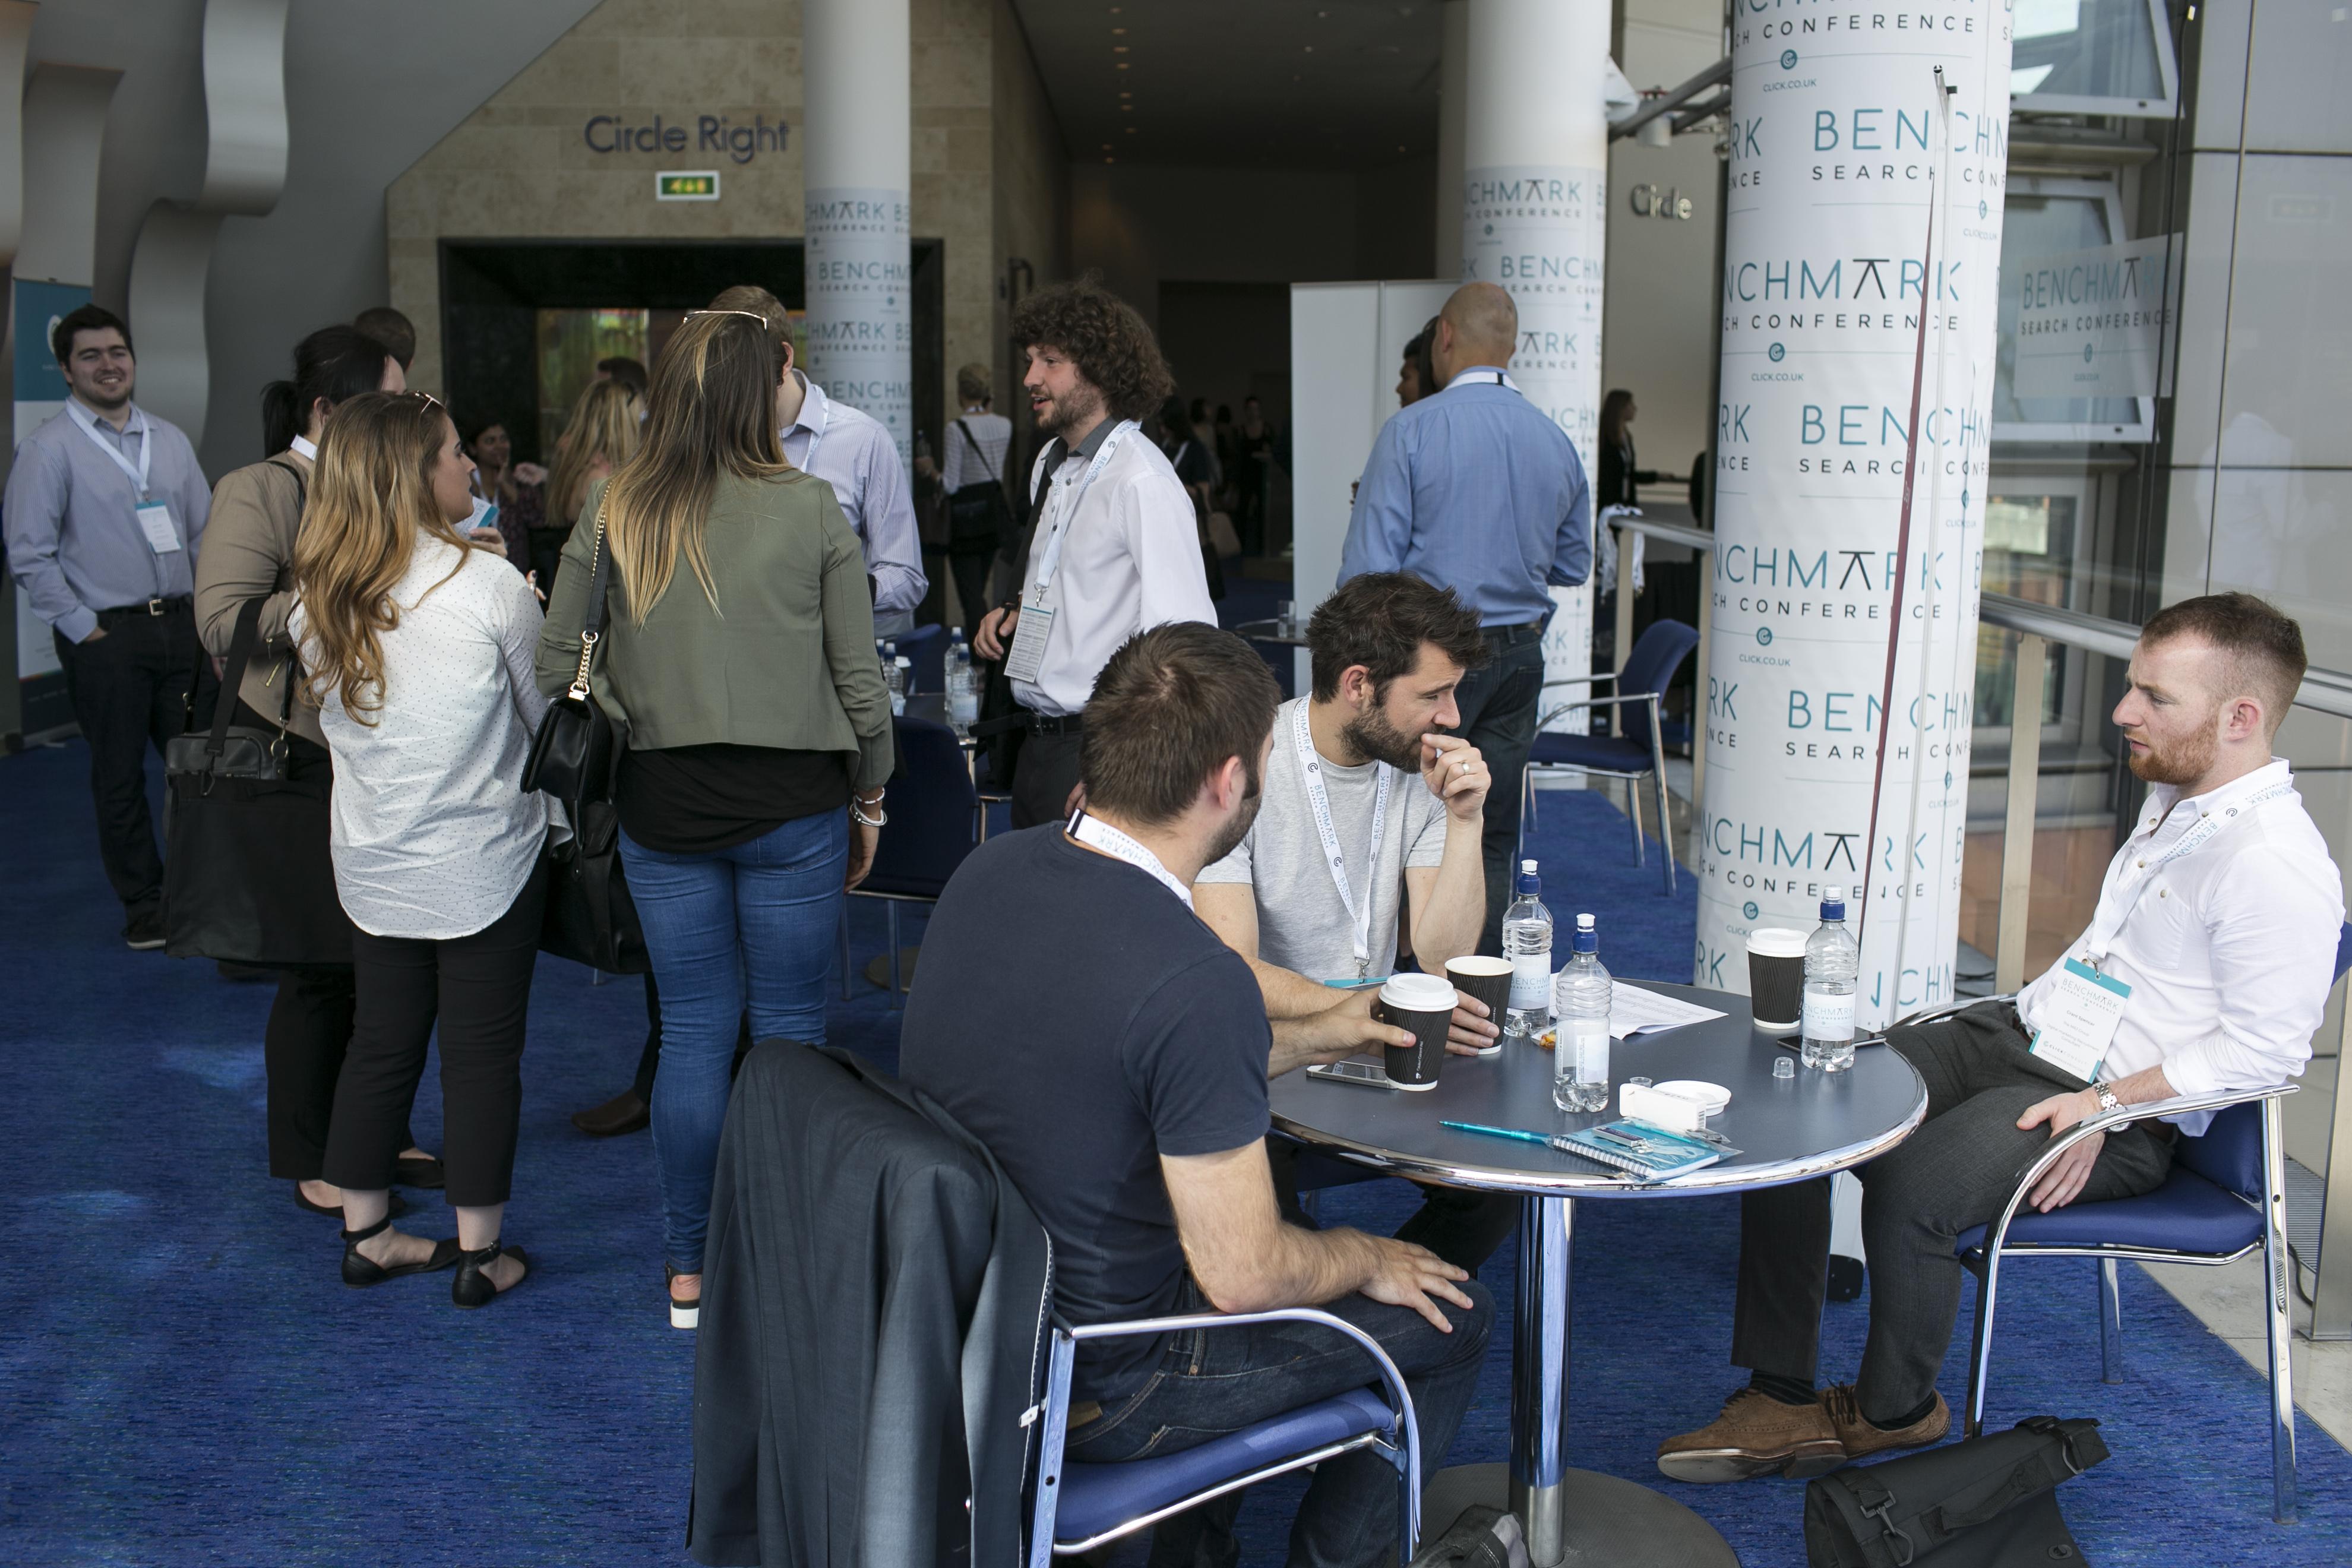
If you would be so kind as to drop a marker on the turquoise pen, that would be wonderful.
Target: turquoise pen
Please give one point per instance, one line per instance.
(1551, 1140)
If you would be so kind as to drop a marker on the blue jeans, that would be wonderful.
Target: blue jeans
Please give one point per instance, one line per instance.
(751, 926)
(1499, 706)
(1210, 1382)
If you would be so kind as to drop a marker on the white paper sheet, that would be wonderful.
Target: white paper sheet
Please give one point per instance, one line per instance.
(1633, 1011)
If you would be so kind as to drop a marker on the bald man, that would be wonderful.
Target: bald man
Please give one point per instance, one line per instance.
(1477, 490)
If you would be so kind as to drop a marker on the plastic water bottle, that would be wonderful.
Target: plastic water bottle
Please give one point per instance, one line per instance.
(1580, 994)
(1526, 943)
(964, 687)
(1832, 965)
(901, 671)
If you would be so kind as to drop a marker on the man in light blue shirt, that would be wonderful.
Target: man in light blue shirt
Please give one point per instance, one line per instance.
(105, 508)
(1475, 490)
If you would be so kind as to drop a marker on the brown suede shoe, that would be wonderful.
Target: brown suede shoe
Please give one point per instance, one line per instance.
(1755, 1435)
(1861, 1439)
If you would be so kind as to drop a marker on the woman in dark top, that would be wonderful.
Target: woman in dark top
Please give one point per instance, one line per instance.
(1618, 474)
(738, 650)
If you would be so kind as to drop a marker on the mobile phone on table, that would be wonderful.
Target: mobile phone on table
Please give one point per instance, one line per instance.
(1363, 1074)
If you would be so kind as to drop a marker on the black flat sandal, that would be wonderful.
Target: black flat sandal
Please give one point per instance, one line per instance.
(335, 1211)
(472, 1288)
(361, 1271)
(418, 1171)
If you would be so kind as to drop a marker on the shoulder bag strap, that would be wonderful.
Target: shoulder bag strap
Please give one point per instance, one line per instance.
(973, 442)
(240, 650)
(592, 622)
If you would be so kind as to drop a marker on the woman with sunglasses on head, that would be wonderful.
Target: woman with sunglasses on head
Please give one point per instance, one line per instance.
(738, 651)
(416, 642)
(250, 554)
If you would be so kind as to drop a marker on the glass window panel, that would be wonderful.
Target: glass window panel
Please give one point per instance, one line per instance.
(2029, 554)
(2033, 226)
(2087, 48)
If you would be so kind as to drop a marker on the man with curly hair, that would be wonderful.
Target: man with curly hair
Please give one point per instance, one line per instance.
(1115, 551)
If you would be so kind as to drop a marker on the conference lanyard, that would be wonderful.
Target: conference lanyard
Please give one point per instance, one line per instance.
(2105, 928)
(1360, 930)
(87, 423)
(1049, 560)
(1097, 834)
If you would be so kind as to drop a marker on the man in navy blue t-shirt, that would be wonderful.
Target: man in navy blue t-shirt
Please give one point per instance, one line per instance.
(1074, 1015)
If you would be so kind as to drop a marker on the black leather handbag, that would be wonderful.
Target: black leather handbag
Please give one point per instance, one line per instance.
(572, 757)
(1990, 1502)
(977, 512)
(247, 874)
(575, 756)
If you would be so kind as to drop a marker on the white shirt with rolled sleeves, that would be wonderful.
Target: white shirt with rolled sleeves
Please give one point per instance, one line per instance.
(856, 456)
(1130, 561)
(2228, 950)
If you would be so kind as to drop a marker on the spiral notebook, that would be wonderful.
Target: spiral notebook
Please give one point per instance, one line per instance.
(1639, 1149)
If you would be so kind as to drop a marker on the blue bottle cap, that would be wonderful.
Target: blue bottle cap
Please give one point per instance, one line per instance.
(1833, 903)
(1527, 882)
(1586, 939)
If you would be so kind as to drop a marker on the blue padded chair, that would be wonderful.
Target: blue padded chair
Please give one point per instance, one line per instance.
(2226, 1197)
(1080, 1507)
(931, 807)
(1636, 751)
(927, 646)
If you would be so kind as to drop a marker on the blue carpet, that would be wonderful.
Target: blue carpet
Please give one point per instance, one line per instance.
(184, 1379)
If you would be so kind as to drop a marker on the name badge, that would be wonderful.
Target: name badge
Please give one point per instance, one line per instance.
(155, 522)
(2080, 1019)
(1029, 643)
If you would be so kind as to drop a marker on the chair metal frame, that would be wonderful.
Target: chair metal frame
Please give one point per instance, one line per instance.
(1657, 771)
(1400, 1445)
(1986, 1259)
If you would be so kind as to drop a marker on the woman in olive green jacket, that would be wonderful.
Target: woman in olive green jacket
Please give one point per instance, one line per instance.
(737, 661)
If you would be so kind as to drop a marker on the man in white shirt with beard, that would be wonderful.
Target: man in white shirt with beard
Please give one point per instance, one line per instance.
(2206, 968)
(1116, 550)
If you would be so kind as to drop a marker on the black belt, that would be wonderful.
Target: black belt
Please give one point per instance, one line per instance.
(1512, 636)
(1048, 725)
(157, 607)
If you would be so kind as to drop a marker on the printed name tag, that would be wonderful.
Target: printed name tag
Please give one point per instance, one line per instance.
(2080, 1019)
(1029, 643)
(155, 522)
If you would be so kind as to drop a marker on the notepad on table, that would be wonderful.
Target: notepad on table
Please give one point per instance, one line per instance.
(1633, 1011)
(1638, 1149)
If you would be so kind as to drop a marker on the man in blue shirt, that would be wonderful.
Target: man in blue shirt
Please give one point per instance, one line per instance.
(1477, 490)
(104, 510)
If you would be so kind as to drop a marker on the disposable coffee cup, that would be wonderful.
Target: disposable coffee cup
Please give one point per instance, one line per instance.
(1776, 977)
(1487, 979)
(1424, 1004)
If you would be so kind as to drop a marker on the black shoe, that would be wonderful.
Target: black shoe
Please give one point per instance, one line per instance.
(399, 1205)
(242, 974)
(418, 1171)
(625, 1113)
(359, 1270)
(472, 1288)
(145, 933)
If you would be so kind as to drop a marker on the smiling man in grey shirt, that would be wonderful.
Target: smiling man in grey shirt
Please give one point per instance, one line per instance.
(104, 511)
(1371, 745)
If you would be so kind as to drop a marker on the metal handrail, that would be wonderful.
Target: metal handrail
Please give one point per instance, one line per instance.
(2323, 690)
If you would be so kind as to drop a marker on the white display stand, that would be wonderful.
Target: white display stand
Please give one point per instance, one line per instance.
(1346, 343)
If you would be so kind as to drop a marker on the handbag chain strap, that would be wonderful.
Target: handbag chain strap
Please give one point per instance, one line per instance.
(592, 627)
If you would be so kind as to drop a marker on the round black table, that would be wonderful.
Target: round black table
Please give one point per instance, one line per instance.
(1787, 1129)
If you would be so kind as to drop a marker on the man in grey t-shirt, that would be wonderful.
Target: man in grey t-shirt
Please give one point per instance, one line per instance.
(1388, 650)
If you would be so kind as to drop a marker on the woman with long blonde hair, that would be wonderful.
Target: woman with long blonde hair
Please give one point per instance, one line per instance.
(607, 424)
(738, 650)
(416, 643)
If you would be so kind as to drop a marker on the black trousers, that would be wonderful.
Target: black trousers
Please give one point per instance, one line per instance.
(130, 690)
(1043, 778)
(1499, 706)
(1461, 1226)
(971, 569)
(547, 554)
(477, 988)
(1956, 1171)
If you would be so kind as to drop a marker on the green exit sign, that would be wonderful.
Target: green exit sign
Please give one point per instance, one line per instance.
(696, 185)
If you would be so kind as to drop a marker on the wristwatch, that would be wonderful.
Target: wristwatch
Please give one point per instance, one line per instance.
(2107, 1101)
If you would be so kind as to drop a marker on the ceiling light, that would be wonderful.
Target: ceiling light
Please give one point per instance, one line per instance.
(1310, 48)
(1119, 67)
(1119, 32)
(1119, 49)
(1131, 131)
(1126, 109)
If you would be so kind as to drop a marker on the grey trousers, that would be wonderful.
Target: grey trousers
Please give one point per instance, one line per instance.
(1956, 1171)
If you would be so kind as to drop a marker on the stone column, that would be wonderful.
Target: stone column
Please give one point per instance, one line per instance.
(855, 75)
(1535, 155)
(1840, 135)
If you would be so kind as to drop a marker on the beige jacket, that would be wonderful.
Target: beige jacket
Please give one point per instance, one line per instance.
(248, 553)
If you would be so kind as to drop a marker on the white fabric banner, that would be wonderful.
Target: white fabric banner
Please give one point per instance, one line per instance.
(1538, 230)
(861, 328)
(1840, 135)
